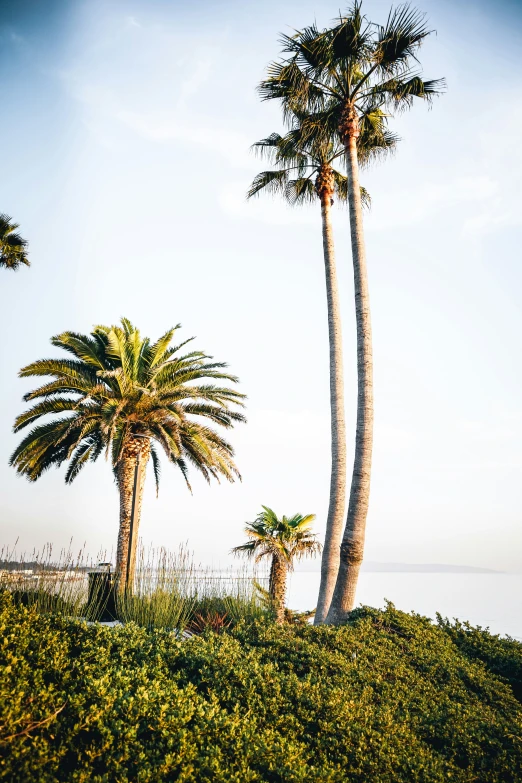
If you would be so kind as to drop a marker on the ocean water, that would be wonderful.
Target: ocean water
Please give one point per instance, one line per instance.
(488, 600)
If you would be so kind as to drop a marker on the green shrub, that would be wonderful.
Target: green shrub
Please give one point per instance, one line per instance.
(387, 698)
(502, 655)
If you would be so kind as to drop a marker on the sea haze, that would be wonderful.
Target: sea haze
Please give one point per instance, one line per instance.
(408, 568)
(491, 600)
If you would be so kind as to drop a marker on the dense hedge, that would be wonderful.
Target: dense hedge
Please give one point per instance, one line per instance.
(388, 698)
(502, 656)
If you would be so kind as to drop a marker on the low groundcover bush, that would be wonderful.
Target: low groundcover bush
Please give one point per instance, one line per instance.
(387, 698)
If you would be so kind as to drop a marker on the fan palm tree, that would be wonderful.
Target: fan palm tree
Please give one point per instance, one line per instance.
(125, 396)
(351, 78)
(284, 541)
(306, 172)
(13, 249)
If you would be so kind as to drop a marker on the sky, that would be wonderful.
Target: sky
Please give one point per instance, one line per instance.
(125, 136)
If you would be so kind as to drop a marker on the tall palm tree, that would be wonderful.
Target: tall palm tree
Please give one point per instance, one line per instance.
(123, 395)
(284, 541)
(351, 78)
(306, 172)
(13, 249)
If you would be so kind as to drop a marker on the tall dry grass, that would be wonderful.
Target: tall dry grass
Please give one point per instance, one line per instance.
(169, 590)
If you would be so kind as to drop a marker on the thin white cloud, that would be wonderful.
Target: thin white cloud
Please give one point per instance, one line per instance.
(151, 117)
(304, 428)
(407, 207)
(488, 221)
(176, 126)
(272, 211)
(198, 77)
(505, 427)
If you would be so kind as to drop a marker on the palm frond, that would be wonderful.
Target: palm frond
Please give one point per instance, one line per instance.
(305, 46)
(341, 186)
(182, 465)
(80, 457)
(49, 406)
(13, 248)
(300, 191)
(248, 549)
(349, 42)
(272, 182)
(161, 346)
(399, 39)
(399, 93)
(266, 148)
(366, 199)
(417, 88)
(83, 347)
(287, 82)
(374, 143)
(42, 448)
(156, 467)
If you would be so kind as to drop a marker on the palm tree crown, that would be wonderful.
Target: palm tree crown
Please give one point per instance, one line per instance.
(13, 249)
(121, 393)
(297, 162)
(307, 159)
(287, 539)
(352, 76)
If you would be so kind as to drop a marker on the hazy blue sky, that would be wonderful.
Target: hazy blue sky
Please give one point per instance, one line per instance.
(125, 158)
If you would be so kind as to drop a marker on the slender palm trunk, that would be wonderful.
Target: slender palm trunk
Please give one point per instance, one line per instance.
(334, 524)
(131, 481)
(352, 547)
(277, 588)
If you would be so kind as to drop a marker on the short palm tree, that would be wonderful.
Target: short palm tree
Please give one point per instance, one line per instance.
(283, 540)
(350, 79)
(306, 172)
(123, 395)
(13, 249)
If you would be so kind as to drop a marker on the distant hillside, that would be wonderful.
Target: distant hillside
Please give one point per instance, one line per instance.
(16, 565)
(33, 565)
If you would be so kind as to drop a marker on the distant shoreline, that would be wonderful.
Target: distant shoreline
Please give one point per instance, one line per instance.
(370, 567)
(413, 568)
